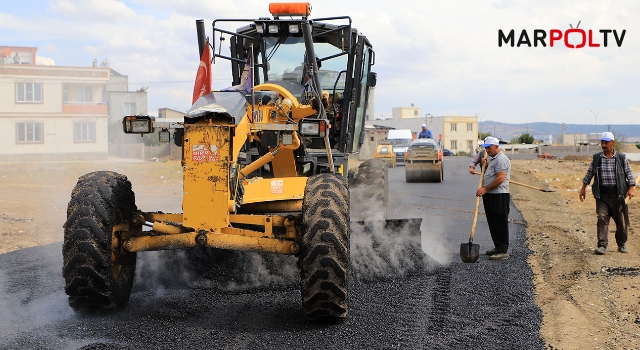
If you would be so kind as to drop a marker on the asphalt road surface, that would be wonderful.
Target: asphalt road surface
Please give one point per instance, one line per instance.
(253, 301)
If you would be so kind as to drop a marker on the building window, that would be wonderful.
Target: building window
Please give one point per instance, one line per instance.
(66, 94)
(84, 94)
(29, 92)
(454, 144)
(84, 131)
(453, 126)
(129, 108)
(29, 132)
(469, 127)
(415, 112)
(470, 144)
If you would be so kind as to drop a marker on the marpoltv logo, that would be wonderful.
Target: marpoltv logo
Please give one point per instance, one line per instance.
(579, 37)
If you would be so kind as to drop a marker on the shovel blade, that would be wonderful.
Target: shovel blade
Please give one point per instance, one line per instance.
(469, 252)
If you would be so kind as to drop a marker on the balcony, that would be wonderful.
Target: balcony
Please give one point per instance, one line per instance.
(85, 108)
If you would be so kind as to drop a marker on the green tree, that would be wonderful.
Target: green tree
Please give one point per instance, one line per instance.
(524, 138)
(483, 135)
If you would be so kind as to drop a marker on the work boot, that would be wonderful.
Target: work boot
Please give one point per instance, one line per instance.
(622, 249)
(493, 251)
(600, 250)
(499, 256)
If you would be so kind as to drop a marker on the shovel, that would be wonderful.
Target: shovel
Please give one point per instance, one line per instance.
(535, 188)
(525, 185)
(470, 252)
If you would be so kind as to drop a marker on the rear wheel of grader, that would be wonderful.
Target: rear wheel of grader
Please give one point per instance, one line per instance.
(324, 257)
(98, 272)
(370, 191)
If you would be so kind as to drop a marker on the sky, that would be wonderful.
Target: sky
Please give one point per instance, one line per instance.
(441, 56)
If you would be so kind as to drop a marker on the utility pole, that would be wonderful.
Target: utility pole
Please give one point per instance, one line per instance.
(426, 118)
(562, 134)
(595, 116)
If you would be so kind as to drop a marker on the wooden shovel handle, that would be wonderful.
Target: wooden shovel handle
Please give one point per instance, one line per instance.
(521, 184)
(525, 185)
(475, 214)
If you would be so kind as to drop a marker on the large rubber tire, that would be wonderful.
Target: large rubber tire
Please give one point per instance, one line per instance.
(324, 254)
(370, 191)
(98, 273)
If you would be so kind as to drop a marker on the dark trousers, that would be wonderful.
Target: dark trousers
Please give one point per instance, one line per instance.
(607, 208)
(496, 209)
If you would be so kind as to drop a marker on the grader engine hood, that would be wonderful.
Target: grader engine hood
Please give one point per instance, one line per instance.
(230, 103)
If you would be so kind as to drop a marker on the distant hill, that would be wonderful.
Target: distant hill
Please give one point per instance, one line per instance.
(504, 131)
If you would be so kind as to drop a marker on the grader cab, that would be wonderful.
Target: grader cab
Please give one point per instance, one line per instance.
(265, 162)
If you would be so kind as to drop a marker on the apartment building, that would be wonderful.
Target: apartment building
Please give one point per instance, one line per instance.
(405, 112)
(50, 112)
(459, 133)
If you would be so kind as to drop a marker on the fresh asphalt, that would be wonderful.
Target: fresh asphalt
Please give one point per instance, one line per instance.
(448, 305)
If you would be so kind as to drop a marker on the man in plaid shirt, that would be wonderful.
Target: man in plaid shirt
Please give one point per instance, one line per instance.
(614, 180)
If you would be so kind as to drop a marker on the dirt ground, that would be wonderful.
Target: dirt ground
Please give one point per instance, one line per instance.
(588, 301)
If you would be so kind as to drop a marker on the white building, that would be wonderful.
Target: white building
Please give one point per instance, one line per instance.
(58, 112)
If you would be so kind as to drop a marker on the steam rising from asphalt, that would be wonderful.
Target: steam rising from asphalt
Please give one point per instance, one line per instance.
(376, 254)
(22, 308)
(217, 269)
(382, 251)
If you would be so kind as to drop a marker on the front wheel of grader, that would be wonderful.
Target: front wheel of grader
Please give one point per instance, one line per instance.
(324, 257)
(98, 273)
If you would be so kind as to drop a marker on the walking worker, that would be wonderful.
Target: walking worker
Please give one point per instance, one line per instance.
(495, 197)
(613, 181)
(425, 133)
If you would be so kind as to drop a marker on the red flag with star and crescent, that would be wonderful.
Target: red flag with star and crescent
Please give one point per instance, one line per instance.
(202, 85)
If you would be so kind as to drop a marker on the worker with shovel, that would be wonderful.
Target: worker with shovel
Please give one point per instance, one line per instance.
(614, 180)
(495, 197)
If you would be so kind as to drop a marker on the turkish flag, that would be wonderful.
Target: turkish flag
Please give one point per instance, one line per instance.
(202, 85)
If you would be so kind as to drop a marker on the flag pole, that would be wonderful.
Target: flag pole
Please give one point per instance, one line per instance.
(253, 95)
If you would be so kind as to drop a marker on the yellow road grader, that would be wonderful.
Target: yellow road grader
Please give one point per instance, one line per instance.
(265, 163)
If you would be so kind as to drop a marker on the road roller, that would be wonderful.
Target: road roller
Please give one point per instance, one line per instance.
(423, 161)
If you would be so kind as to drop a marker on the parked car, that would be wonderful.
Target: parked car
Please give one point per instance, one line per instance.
(446, 152)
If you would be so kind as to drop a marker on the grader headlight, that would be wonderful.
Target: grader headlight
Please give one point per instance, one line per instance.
(138, 124)
(273, 28)
(313, 127)
(287, 139)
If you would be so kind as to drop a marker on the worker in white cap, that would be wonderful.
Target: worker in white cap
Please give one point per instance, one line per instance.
(425, 133)
(613, 182)
(495, 197)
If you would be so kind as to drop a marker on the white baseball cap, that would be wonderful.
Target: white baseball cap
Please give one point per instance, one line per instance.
(606, 136)
(490, 140)
(424, 125)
